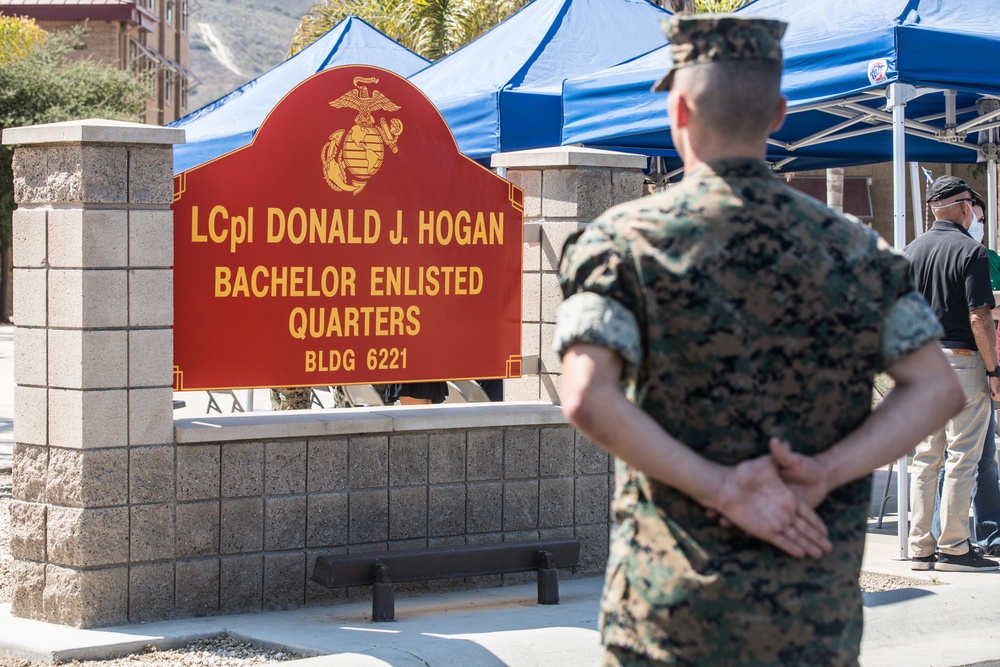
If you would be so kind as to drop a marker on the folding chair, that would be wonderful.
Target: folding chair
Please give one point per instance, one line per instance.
(362, 395)
(213, 404)
(465, 391)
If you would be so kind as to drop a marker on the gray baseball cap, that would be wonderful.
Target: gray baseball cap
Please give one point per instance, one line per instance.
(946, 187)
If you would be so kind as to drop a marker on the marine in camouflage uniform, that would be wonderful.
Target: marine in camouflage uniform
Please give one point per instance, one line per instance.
(741, 310)
(291, 398)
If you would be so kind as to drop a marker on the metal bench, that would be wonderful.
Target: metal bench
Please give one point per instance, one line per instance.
(382, 569)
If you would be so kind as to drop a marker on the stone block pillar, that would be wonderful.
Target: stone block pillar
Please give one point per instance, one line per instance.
(564, 189)
(93, 510)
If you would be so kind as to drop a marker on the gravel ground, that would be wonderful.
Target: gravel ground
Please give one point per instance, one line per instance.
(224, 651)
(221, 651)
(872, 582)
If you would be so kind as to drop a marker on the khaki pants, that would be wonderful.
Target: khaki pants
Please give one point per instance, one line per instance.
(958, 446)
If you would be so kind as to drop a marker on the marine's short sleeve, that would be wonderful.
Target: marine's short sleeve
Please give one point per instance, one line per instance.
(587, 317)
(603, 300)
(909, 325)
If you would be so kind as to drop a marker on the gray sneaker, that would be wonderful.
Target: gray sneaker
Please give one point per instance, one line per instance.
(923, 562)
(970, 561)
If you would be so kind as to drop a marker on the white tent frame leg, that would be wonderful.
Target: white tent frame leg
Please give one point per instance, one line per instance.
(991, 196)
(898, 94)
(916, 205)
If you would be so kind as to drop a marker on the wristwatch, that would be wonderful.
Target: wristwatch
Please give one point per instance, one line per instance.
(995, 373)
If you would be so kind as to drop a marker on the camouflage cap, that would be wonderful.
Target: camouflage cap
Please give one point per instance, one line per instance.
(710, 38)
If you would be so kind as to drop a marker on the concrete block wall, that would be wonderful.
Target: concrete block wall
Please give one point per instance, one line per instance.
(231, 518)
(254, 511)
(93, 474)
(564, 189)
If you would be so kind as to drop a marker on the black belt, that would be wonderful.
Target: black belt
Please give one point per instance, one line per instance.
(957, 345)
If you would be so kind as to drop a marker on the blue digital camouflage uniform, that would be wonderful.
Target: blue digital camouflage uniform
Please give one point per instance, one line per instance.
(742, 310)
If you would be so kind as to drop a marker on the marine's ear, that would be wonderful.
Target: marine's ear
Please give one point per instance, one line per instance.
(779, 116)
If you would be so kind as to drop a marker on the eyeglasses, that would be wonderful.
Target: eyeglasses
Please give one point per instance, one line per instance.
(968, 200)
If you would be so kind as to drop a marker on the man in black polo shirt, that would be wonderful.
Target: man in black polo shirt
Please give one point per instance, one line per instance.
(952, 271)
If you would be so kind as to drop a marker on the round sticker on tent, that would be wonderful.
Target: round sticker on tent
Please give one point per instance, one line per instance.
(877, 70)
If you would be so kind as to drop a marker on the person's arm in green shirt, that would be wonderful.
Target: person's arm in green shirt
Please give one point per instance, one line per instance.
(994, 269)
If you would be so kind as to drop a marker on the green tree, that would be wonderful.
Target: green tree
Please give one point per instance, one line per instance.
(718, 6)
(18, 36)
(435, 28)
(432, 28)
(40, 83)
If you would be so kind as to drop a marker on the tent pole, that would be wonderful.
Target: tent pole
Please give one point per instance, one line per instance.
(950, 108)
(991, 195)
(918, 206)
(897, 101)
(897, 95)
(989, 108)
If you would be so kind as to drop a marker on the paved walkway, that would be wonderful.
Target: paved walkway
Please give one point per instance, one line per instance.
(946, 619)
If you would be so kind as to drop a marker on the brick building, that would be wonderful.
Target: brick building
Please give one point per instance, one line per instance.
(138, 35)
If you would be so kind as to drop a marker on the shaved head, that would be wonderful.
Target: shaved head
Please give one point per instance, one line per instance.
(736, 100)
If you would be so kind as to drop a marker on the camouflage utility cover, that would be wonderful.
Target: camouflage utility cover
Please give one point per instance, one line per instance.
(743, 310)
(714, 38)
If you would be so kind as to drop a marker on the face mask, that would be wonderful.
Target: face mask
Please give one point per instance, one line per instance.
(976, 230)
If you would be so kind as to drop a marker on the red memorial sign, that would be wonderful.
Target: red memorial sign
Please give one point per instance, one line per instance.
(349, 243)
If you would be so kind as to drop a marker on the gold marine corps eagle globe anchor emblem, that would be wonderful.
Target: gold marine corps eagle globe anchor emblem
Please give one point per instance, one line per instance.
(353, 156)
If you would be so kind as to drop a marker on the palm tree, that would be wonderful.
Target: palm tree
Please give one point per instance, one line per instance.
(701, 6)
(432, 28)
(835, 188)
(388, 16)
(717, 6)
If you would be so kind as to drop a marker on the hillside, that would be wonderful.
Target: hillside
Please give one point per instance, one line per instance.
(234, 41)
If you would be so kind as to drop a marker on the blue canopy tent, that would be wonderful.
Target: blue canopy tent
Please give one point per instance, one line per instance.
(231, 121)
(614, 108)
(867, 81)
(841, 57)
(502, 91)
